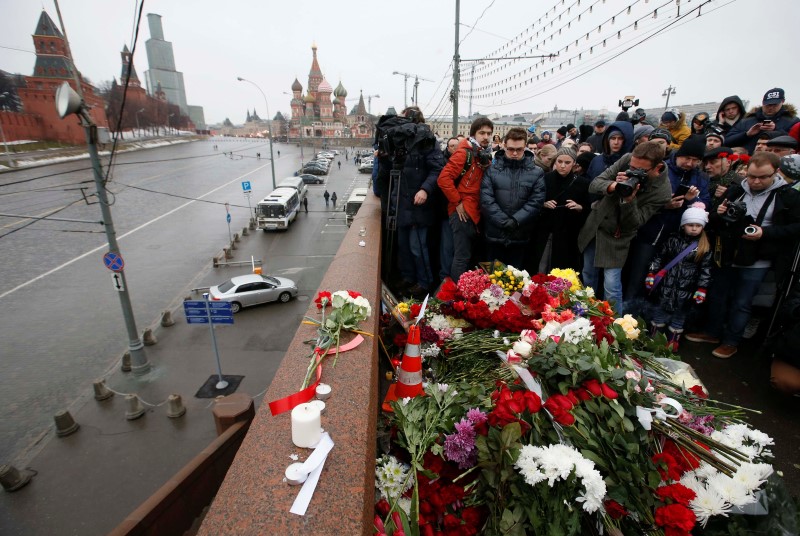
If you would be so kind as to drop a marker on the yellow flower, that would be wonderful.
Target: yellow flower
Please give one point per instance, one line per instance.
(507, 293)
(498, 273)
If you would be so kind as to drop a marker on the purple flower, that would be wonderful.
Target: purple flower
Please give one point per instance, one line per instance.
(496, 291)
(476, 416)
(579, 309)
(459, 446)
(557, 286)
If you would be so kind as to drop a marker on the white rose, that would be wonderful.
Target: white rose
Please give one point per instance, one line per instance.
(522, 348)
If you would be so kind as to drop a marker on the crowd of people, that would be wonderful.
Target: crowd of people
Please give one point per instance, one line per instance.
(664, 220)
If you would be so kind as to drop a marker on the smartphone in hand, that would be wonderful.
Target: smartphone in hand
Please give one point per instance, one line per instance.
(682, 189)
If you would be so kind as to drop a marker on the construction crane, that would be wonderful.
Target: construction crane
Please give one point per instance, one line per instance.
(369, 102)
(417, 78)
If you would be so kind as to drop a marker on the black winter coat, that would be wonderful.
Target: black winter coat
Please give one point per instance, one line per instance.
(676, 289)
(737, 136)
(511, 189)
(420, 172)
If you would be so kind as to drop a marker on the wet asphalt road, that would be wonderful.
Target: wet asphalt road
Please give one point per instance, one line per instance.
(62, 324)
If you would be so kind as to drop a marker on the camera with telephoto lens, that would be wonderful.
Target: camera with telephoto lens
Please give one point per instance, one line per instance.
(635, 176)
(484, 156)
(735, 211)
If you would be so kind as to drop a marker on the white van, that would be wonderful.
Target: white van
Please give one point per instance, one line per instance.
(354, 203)
(294, 182)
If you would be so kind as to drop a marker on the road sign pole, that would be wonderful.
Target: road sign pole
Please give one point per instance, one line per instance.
(221, 384)
(228, 218)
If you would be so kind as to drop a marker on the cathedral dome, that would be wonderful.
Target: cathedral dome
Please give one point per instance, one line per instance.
(325, 87)
(297, 86)
(309, 98)
(336, 100)
(340, 90)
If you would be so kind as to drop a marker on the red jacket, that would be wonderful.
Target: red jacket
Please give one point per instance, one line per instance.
(469, 188)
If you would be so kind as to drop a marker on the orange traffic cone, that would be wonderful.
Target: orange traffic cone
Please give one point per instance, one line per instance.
(409, 375)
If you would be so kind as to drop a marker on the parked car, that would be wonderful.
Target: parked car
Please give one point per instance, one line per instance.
(253, 289)
(311, 179)
(313, 170)
(365, 166)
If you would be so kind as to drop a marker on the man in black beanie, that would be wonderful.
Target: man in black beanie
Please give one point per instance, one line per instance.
(582, 163)
(572, 133)
(689, 184)
(561, 135)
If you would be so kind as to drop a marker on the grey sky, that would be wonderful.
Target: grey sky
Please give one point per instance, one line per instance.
(361, 43)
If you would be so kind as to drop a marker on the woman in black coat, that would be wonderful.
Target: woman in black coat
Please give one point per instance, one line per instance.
(564, 212)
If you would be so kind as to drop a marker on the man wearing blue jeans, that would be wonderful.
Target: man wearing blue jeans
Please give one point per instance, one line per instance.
(614, 220)
(764, 237)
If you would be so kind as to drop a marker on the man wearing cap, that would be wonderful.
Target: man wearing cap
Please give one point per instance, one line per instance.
(662, 137)
(773, 114)
(561, 135)
(782, 145)
(572, 133)
(546, 140)
(746, 249)
(675, 122)
(721, 173)
(596, 139)
(687, 185)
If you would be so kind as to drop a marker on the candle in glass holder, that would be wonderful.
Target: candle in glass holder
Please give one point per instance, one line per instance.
(323, 391)
(306, 426)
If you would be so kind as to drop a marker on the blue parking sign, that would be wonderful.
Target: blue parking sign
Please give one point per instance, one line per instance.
(246, 186)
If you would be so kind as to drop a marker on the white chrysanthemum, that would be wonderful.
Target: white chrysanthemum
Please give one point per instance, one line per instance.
(550, 329)
(707, 503)
(392, 477)
(752, 475)
(404, 504)
(690, 480)
(578, 330)
(730, 490)
(429, 350)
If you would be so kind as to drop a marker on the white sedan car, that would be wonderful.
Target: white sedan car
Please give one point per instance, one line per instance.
(253, 289)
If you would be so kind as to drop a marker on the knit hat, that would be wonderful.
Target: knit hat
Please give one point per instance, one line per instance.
(570, 126)
(640, 131)
(790, 167)
(568, 151)
(562, 131)
(661, 133)
(715, 134)
(693, 146)
(695, 214)
(584, 159)
(670, 115)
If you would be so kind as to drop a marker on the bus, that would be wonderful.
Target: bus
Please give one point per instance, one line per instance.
(276, 211)
(297, 183)
(354, 203)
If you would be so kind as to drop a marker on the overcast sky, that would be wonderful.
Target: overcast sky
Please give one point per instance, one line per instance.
(739, 47)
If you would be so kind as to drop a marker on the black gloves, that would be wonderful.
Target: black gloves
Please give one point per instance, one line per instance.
(510, 224)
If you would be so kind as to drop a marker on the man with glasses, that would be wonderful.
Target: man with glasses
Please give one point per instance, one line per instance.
(615, 219)
(512, 195)
(747, 246)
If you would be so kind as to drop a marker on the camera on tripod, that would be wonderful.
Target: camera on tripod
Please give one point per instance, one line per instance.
(627, 187)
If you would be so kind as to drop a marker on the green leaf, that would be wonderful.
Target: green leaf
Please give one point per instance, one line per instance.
(627, 424)
(510, 435)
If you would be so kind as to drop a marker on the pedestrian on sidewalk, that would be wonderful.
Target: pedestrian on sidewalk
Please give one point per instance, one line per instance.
(327, 197)
(339, 163)
(333, 198)
(279, 154)
(305, 204)
(258, 156)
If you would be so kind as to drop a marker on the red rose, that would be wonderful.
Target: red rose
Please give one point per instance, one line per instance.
(608, 392)
(593, 386)
(426, 530)
(675, 516)
(414, 310)
(583, 394)
(677, 493)
(532, 402)
(400, 339)
(565, 418)
(383, 507)
(323, 295)
(572, 398)
(614, 509)
(472, 516)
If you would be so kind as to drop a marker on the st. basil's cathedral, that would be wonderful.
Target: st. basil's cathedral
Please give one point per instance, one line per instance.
(314, 115)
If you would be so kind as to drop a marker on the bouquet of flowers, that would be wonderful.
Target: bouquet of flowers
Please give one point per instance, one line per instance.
(561, 418)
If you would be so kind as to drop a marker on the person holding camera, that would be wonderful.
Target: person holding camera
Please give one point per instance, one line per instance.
(633, 189)
(757, 227)
(512, 194)
(460, 182)
(773, 114)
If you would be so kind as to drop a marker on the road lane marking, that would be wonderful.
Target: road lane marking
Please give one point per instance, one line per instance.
(120, 237)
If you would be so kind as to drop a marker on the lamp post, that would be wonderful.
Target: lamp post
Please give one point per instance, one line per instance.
(11, 162)
(266, 104)
(667, 92)
(138, 128)
(169, 122)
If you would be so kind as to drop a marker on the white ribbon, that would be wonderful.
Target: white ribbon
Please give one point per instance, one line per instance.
(422, 309)
(524, 374)
(647, 415)
(313, 467)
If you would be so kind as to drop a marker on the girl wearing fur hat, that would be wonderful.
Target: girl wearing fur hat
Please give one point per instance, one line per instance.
(680, 273)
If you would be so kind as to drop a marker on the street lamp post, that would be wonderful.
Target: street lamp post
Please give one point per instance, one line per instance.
(667, 92)
(266, 104)
(138, 128)
(11, 162)
(169, 122)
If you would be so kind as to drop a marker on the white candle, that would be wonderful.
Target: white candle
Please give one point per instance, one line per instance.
(320, 405)
(295, 475)
(306, 428)
(323, 391)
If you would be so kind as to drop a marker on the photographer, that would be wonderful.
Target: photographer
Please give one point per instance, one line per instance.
(614, 220)
(757, 227)
(407, 145)
(460, 181)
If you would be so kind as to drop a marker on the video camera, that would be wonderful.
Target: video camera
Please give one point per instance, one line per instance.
(635, 176)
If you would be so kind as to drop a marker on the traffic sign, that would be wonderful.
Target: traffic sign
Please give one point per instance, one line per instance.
(246, 186)
(196, 312)
(113, 261)
(119, 286)
(228, 217)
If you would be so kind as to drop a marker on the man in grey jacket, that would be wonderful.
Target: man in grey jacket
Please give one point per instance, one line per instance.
(612, 224)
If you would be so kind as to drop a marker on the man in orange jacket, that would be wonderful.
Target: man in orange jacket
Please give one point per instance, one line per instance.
(460, 181)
